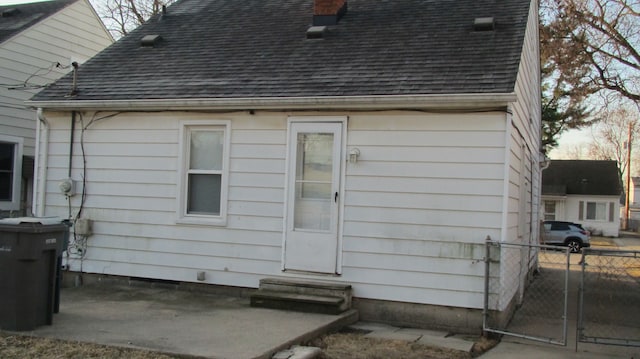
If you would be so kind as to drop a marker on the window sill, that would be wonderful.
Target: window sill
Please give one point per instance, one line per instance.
(220, 222)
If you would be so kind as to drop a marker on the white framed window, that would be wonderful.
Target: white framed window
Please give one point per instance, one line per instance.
(204, 176)
(596, 211)
(10, 172)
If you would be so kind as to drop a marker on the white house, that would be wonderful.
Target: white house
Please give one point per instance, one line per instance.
(380, 145)
(583, 191)
(38, 43)
(634, 204)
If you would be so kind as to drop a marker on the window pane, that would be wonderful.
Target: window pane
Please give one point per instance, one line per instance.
(313, 213)
(204, 194)
(6, 171)
(6, 185)
(6, 157)
(314, 190)
(601, 211)
(206, 150)
(591, 210)
(597, 211)
(315, 156)
(549, 210)
(549, 206)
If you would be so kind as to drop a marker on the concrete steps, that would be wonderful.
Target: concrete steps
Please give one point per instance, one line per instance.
(302, 296)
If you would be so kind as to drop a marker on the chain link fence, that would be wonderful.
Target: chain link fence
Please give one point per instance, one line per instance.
(609, 299)
(526, 291)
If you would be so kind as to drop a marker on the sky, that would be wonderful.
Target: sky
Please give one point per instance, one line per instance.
(568, 141)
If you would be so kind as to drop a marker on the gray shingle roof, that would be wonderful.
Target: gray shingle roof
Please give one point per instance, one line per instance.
(581, 177)
(13, 22)
(258, 48)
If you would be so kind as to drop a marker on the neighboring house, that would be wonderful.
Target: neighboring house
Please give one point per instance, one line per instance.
(634, 194)
(634, 204)
(38, 43)
(583, 191)
(228, 141)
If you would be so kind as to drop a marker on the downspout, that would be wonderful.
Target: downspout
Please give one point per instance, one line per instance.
(41, 162)
(71, 138)
(73, 129)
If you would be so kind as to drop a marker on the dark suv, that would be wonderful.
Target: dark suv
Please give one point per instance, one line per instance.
(567, 234)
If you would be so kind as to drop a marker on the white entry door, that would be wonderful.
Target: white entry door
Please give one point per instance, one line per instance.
(311, 237)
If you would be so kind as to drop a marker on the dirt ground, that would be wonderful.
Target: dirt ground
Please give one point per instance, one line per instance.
(334, 346)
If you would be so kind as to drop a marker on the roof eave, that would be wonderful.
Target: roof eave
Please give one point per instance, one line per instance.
(377, 102)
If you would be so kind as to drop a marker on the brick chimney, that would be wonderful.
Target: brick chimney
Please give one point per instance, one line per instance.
(328, 12)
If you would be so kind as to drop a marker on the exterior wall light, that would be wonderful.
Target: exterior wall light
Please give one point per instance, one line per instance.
(353, 155)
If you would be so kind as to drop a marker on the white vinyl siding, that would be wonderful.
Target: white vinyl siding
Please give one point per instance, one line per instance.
(134, 166)
(523, 198)
(423, 196)
(425, 193)
(418, 204)
(36, 57)
(73, 34)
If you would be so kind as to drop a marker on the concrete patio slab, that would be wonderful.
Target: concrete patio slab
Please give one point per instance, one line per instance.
(182, 323)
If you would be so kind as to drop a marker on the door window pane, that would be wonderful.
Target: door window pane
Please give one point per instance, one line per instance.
(315, 157)
(314, 174)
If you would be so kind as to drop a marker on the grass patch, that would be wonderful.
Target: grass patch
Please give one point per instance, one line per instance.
(342, 345)
(22, 346)
(357, 346)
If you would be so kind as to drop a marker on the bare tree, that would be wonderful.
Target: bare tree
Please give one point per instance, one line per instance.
(614, 137)
(595, 43)
(122, 16)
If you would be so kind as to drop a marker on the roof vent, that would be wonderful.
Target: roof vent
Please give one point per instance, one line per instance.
(316, 32)
(150, 40)
(484, 24)
(10, 12)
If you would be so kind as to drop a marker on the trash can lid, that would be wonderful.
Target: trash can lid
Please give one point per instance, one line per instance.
(41, 220)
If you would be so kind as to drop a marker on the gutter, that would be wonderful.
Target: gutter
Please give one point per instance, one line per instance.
(377, 102)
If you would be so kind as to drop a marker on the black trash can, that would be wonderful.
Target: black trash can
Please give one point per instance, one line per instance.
(29, 252)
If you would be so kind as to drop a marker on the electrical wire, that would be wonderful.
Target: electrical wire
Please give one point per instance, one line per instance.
(78, 248)
(25, 85)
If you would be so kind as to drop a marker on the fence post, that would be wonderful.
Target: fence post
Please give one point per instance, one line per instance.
(583, 263)
(487, 261)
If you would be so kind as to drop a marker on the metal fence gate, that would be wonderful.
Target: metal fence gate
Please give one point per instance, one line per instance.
(609, 299)
(526, 291)
(529, 290)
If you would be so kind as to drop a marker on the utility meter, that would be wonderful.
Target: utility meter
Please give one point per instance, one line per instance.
(68, 187)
